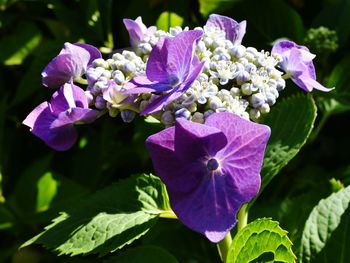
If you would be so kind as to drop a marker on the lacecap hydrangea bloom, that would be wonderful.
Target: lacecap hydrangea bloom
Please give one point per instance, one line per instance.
(208, 90)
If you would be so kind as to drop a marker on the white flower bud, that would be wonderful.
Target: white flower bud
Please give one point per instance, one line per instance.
(265, 108)
(246, 89)
(167, 118)
(198, 117)
(100, 62)
(257, 100)
(238, 51)
(214, 103)
(127, 115)
(118, 77)
(254, 114)
(183, 113)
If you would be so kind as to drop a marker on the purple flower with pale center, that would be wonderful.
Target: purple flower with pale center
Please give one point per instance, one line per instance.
(117, 99)
(137, 30)
(298, 65)
(234, 31)
(171, 68)
(210, 169)
(53, 121)
(71, 63)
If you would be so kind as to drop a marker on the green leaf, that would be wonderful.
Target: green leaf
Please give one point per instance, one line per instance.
(291, 122)
(47, 189)
(326, 235)
(261, 241)
(108, 220)
(143, 254)
(168, 19)
(207, 7)
(20, 43)
(340, 79)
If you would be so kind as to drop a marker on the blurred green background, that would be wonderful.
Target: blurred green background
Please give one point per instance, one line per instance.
(37, 182)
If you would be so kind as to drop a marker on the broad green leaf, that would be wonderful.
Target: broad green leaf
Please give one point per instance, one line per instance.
(6, 218)
(340, 79)
(143, 254)
(207, 7)
(169, 19)
(326, 235)
(20, 43)
(263, 240)
(291, 122)
(47, 189)
(108, 220)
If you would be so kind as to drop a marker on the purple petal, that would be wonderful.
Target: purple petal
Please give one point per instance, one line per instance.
(93, 51)
(75, 115)
(181, 51)
(234, 31)
(137, 30)
(205, 199)
(68, 96)
(307, 83)
(142, 84)
(32, 117)
(40, 121)
(193, 140)
(172, 57)
(159, 103)
(71, 63)
(244, 152)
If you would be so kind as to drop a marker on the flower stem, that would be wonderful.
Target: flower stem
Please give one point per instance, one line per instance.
(224, 245)
(242, 217)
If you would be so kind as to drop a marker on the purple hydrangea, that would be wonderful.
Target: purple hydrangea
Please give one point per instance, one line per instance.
(71, 63)
(137, 30)
(172, 67)
(210, 169)
(53, 121)
(298, 65)
(234, 31)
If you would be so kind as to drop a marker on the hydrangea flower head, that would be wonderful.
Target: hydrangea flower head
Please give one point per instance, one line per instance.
(234, 31)
(210, 169)
(137, 30)
(53, 121)
(297, 63)
(69, 64)
(172, 67)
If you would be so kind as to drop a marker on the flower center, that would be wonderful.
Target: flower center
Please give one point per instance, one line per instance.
(212, 164)
(173, 80)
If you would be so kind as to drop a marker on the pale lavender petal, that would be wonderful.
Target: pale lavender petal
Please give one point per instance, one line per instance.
(234, 31)
(307, 83)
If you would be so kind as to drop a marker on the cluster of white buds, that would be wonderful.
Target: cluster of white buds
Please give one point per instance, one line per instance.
(235, 79)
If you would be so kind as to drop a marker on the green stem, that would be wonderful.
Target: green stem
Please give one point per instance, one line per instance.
(242, 217)
(168, 214)
(224, 245)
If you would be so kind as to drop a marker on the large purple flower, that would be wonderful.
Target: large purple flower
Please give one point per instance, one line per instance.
(137, 30)
(210, 169)
(53, 121)
(69, 64)
(234, 31)
(298, 65)
(172, 67)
